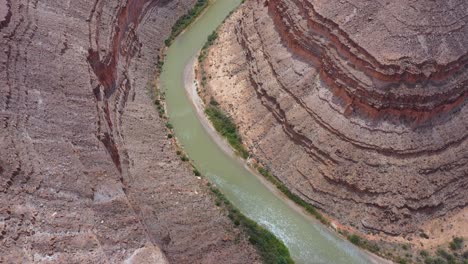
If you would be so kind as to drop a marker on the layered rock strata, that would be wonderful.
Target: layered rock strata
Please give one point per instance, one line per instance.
(358, 107)
(87, 174)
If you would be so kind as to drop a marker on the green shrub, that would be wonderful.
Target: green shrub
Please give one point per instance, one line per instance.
(434, 261)
(169, 125)
(424, 253)
(209, 41)
(213, 102)
(226, 127)
(372, 247)
(456, 244)
(270, 248)
(424, 235)
(184, 158)
(402, 260)
(449, 257)
(185, 20)
(169, 135)
(196, 172)
(355, 239)
(309, 208)
(160, 64)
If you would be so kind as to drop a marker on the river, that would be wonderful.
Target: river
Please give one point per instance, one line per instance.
(308, 240)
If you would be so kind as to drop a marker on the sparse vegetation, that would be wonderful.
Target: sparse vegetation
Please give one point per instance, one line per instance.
(210, 40)
(159, 64)
(424, 235)
(224, 125)
(270, 248)
(161, 111)
(444, 254)
(402, 260)
(434, 261)
(309, 208)
(444, 257)
(355, 239)
(213, 101)
(201, 57)
(456, 243)
(185, 20)
(362, 242)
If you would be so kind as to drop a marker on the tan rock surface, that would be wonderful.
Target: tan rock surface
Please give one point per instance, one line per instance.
(87, 174)
(368, 126)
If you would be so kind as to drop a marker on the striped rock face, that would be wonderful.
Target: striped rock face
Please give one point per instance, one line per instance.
(359, 107)
(87, 174)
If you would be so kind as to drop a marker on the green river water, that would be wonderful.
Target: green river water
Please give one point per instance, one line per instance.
(307, 240)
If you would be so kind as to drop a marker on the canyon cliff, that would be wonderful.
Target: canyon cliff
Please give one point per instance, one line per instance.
(87, 173)
(358, 107)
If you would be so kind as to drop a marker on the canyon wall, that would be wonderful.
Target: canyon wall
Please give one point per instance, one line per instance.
(359, 107)
(87, 174)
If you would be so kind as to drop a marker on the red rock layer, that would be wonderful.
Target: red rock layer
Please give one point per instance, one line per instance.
(358, 107)
(87, 174)
(417, 83)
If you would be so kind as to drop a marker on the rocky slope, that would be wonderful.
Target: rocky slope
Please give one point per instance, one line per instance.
(87, 174)
(359, 107)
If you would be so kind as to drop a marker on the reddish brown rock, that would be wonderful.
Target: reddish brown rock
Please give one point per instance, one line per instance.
(87, 174)
(359, 107)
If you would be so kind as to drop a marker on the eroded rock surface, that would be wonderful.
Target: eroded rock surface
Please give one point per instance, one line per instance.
(87, 174)
(359, 107)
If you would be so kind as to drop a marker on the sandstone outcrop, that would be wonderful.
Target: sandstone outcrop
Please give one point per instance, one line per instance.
(87, 174)
(359, 107)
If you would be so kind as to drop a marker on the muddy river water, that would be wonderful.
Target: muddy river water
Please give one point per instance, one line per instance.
(307, 239)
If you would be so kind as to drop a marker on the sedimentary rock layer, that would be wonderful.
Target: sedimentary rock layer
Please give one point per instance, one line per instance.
(87, 174)
(358, 107)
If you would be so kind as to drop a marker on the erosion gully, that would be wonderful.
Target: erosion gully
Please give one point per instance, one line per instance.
(307, 239)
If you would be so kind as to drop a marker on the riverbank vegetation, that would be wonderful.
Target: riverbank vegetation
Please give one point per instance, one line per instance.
(309, 208)
(270, 248)
(204, 51)
(361, 242)
(184, 21)
(226, 127)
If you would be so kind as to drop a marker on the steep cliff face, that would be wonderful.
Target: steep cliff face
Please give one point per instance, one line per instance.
(86, 171)
(359, 107)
